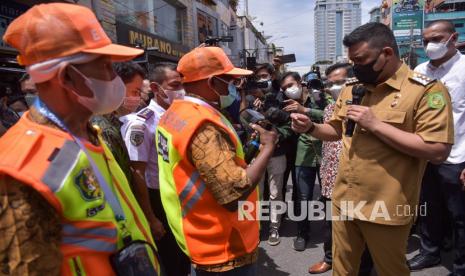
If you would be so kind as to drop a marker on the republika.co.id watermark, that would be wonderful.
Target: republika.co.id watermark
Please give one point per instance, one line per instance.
(317, 210)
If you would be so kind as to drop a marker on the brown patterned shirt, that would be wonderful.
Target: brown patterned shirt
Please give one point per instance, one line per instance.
(330, 159)
(29, 230)
(212, 153)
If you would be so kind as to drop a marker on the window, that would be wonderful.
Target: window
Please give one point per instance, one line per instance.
(206, 25)
(159, 17)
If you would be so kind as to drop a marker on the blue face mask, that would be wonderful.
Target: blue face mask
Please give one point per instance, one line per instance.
(227, 100)
(234, 109)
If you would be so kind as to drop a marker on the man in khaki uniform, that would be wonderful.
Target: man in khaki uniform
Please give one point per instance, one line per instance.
(404, 120)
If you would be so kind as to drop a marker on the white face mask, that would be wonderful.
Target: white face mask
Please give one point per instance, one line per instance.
(131, 103)
(173, 95)
(437, 50)
(294, 92)
(108, 95)
(335, 90)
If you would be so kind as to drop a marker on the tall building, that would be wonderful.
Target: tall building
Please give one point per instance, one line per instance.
(375, 14)
(333, 20)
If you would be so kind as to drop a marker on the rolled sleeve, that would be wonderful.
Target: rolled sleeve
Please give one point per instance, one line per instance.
(213, 155)
(433, 117)
(336, 119)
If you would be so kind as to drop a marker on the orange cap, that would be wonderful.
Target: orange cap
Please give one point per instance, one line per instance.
(56, 30)
(204, 62)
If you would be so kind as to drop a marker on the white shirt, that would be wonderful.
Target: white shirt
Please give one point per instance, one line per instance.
(452, 74)
(138, 132)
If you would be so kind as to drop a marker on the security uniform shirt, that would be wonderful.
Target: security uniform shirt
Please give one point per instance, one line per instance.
(374, 175)
(138, 132)
(451, 74)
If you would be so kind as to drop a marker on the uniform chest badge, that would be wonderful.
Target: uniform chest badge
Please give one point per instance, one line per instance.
(88, 185)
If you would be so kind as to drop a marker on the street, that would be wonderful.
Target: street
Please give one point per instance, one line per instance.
(283, 260)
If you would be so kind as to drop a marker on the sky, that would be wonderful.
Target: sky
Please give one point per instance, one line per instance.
(290, 23)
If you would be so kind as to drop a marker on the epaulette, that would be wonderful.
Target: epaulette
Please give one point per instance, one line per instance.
(145, 113)
(352, 81)
(421, 79)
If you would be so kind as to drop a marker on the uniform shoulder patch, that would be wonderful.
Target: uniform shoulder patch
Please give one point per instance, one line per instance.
(136, 137)
(352, 81)
(421, 79)
(436, 100)
(145, 113)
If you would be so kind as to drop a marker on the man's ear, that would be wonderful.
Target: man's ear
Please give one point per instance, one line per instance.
(154, 87)
(388, 51)
(64, 78)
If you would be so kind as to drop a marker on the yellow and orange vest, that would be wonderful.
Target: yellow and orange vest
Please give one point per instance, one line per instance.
(206, 231)
(49, 161)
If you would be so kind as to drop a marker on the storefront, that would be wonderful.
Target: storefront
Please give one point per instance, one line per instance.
(157, 25)
(158, 48)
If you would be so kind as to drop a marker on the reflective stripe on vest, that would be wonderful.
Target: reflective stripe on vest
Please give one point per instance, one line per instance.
(194, 199)
(61, 165)
(93, 244)
(110, 233)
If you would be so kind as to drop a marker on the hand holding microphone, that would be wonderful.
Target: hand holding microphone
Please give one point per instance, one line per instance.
(358, 114)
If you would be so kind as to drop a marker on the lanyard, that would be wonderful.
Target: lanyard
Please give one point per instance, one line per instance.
(109, 195)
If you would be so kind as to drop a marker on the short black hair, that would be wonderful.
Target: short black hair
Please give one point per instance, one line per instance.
(377, 35)
(448, 25)
(336, 66)
(128, 70)
(157, 73)
(268, 67)
(296, 76)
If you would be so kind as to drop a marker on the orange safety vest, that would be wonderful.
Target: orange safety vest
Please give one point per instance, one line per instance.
(206, 231)
(49, 161)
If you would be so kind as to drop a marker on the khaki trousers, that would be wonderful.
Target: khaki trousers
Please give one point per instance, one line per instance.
(387, 245)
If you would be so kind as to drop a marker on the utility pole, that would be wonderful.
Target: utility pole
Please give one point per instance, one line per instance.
(411, 45)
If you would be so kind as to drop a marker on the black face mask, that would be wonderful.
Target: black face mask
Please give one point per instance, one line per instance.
(365, 73)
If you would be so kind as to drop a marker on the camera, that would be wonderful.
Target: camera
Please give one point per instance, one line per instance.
(251, 84)
(213, 41)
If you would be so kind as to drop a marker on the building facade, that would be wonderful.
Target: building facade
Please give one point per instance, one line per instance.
(167, 29)
(409, 39)
(375, 14)
(333, 20)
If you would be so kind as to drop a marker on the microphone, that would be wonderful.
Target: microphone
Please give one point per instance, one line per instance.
(358, 92)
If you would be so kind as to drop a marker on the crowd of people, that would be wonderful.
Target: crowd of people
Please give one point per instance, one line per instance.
(107, 168)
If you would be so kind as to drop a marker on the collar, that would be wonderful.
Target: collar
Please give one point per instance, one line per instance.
(158, 109)
(398, 78)
(446, 65)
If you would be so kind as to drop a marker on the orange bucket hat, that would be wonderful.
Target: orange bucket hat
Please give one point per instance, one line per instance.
(205, 62)
(55, 30)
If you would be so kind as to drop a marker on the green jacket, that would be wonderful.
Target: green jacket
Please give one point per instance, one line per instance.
(308, 147)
